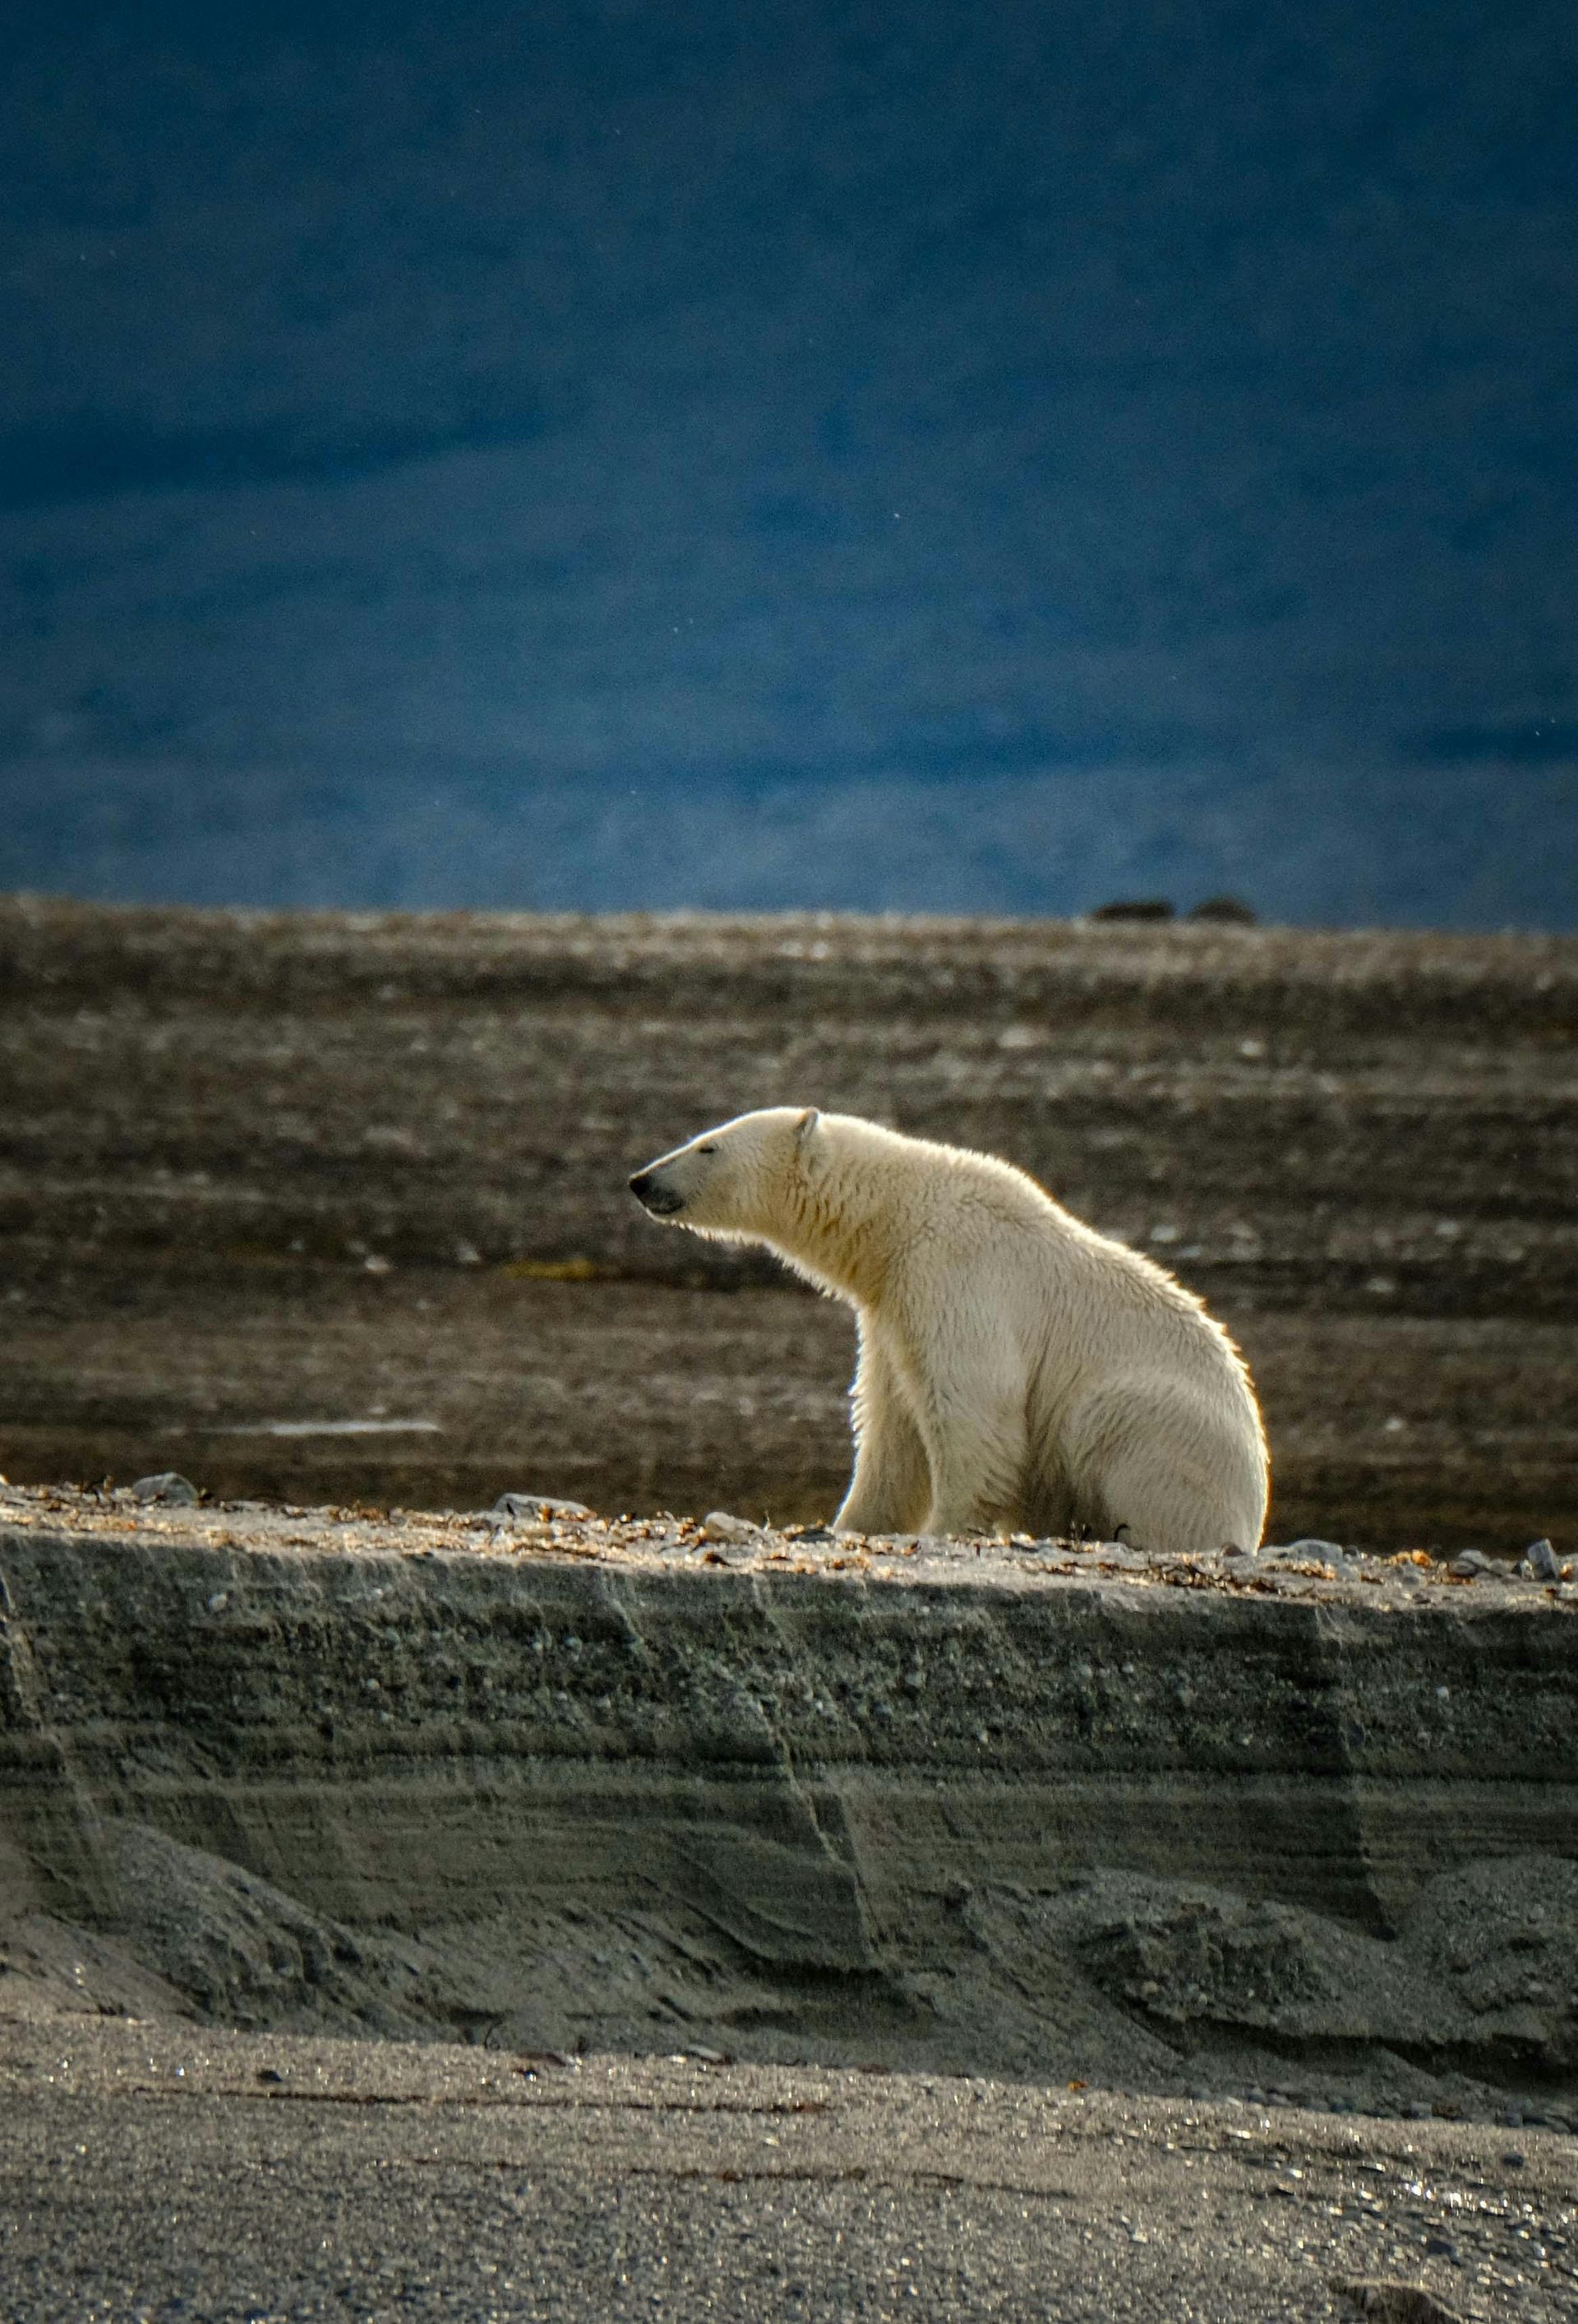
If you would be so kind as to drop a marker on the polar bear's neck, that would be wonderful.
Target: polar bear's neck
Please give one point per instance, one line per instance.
(838, 1227)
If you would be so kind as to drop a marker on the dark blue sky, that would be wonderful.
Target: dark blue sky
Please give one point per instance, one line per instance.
(735, 455)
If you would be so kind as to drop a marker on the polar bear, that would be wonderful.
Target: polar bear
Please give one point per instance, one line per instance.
(1016, 1369)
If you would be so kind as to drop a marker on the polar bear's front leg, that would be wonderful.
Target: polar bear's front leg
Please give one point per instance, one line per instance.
(974, 1429)
(890, 1488)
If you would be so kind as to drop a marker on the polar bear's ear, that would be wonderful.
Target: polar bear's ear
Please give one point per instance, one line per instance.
(806, 1125)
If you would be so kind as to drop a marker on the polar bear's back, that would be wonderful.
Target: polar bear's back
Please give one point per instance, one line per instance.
(952, 1213)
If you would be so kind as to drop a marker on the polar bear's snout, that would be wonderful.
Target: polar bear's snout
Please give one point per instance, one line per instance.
(656, 1195)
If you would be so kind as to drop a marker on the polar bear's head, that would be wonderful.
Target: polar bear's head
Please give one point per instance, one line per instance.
(734, 1180)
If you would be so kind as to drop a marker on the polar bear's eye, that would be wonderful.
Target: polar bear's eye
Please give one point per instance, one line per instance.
(706, 1149)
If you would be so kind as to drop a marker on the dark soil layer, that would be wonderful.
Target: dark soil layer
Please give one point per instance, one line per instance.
(261, 1170)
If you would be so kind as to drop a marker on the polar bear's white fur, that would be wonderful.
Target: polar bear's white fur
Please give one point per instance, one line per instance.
(1016, 1369)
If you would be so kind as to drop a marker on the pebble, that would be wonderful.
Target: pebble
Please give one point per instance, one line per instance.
(537, 1505)
(175, 1490)
(718, 1526)
(1332, 1551)
(1473, 1563)
(1543, 1559)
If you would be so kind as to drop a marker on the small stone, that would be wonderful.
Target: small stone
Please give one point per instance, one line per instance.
(1331, 1552)
(1229, 911)
(536, 1505)
(718, 1526)
(1394, 2303)
(175, 1491)
(1472, 1564)
(271, 2075)
(218, 1602)
(1543, 1558)
(1135, 908)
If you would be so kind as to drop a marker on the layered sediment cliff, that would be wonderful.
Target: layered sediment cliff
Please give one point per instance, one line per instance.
(1050, 1812)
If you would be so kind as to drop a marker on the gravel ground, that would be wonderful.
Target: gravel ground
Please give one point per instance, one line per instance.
(152, 2172)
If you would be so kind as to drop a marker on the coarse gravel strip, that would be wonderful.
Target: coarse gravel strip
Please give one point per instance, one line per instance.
(531, 1531)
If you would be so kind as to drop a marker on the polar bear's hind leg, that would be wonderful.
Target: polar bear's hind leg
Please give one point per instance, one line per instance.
(1155, 1460)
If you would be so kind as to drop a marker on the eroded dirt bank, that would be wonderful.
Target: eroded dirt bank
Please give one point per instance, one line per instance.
(1242, 1825)
(332, 1206)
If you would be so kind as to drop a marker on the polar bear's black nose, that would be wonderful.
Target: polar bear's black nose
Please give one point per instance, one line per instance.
(641, 1185)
